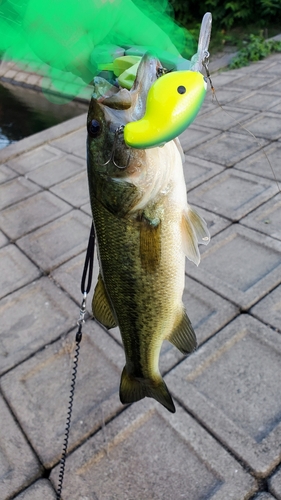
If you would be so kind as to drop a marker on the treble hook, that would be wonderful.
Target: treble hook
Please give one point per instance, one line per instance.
(118, 131)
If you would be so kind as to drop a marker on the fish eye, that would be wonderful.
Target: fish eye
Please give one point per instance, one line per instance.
(94, 128)
(181, 89)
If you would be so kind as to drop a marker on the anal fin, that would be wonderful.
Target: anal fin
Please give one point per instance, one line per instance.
(183, 336)
(101, 307)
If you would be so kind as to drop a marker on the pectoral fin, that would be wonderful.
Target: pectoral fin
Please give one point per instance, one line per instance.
(101, 307)
(183, 336)
(194, 232)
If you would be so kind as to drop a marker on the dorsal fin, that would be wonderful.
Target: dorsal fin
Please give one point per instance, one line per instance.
(101, 307)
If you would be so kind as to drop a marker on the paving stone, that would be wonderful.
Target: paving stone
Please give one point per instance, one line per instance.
(38, 391)
(258, 162)
(32, 160)
(16, 270)
(228, 148)
(207, 312)
(74, 190)
(31, 318)
(3, 240)
(265, 125)
(87, 209)
(260, 100)
(195, 135)
(273, 68)
(226, 117)
(227, 95)
(264, 496)
(268, 309)
(266, 218)
(10, 74)
(27, 215)
(226, 78)
(6, 174)
(18, 465)
(152, 439)
(16, 190)
(240, 264)
(275, 484)
(41, 490)
(231, 385)
(252, 82)
(197, 171)
(74, 143)
(58, 241)
(34, 80)
(58, 170)
(232, 194)
(275, 86)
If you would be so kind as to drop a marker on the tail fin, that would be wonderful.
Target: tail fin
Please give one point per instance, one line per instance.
(133, 389)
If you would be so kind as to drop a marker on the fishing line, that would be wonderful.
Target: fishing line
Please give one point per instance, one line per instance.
(205, 64)
(87, 271)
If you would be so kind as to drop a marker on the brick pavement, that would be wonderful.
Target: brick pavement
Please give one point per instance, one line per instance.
(224, 441)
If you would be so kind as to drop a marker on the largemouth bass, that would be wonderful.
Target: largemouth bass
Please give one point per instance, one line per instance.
(144, 230)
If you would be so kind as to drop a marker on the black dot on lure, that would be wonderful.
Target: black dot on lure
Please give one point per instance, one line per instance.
(94, 128)
(181, 89)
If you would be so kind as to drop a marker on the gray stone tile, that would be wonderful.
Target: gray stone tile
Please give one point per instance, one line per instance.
(74, 143)
(266, 125)
(87, 209)
(3, 240)
(195, 135)
(266, 218)
(215, 223)
(264, 496)
(231, 385)
(268, 309)
(16, 190)
(33, 159)
(275, 484)
(275, 86)
(260, 100)
(38, 391)
(273, 68)
(74, 190)
(6, 174)
(58, 170)
(228, 148)
(226, 117)
(253, 82)
(258, 163)
(225, 95)
(27, 215)
(16, 270)
(31, 318)
(18, 465)
(197, 171)
(41, 490)
(232, 194)
(240, 264)
(58, 241)
(226, 78)
(152, 439)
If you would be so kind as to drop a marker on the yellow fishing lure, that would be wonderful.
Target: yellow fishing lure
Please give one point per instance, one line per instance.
(173, 102)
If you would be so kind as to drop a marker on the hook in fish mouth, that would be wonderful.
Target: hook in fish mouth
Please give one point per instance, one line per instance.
(118, 132)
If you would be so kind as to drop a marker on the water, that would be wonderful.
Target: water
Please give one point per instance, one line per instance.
(24, 112)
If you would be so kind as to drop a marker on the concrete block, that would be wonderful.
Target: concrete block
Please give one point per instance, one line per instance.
(258, 163)
(6, 174)
(195, 135)
(74, 190)
(58, 241)
(240, 264)
(16, 270)
(197, 171)
(250, 82)
(34, 80)
(31, 318)
(41, 490)
(268, 309)
(18, 466)
(10, 74)
(135, 459)
(87, 209)
(3, 240)
(33, 159)
(27, 215)
(273, 68)
(223, 119)
(264, 496)
(16, 190)
(58, 170)
(275, 484)
(260, 100)
(232, 194)
(266, 218)
(38, 391)
(226, 95)
(226, 78)
(74, 143)
(228, 148)
(265, 125)
(231, 385)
